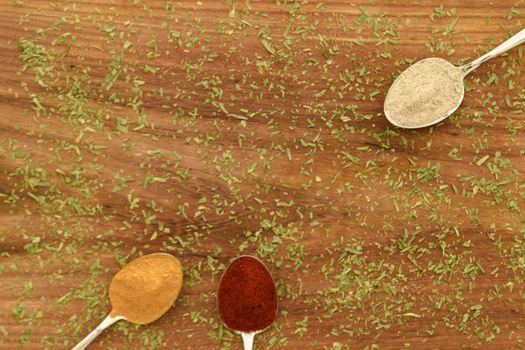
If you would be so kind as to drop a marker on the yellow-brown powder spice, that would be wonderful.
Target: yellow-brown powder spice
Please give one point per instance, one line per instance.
(146, 288)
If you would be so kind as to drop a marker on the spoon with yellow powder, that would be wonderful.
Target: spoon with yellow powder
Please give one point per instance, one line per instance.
(432, 89)
(141, 292)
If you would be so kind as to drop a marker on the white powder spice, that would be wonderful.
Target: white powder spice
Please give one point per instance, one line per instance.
(424, 93)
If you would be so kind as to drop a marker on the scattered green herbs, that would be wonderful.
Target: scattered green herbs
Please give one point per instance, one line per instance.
(213, 130)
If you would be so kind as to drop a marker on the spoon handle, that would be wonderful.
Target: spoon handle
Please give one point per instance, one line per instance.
(500, 49)
(108, 321)
(247, 340)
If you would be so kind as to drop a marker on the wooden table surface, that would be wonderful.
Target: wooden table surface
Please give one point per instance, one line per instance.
(210, 129)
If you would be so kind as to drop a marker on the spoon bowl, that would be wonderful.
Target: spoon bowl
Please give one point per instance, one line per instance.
(247, 306)
(420, 107)
(124, 292)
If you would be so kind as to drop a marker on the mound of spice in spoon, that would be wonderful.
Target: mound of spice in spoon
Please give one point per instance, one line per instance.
(141, 292)
(432, 87)
(247, 298)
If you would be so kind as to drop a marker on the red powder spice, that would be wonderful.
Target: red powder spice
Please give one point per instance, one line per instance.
(247, 296)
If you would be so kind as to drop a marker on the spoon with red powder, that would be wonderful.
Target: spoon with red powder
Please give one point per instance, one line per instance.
(247, 298)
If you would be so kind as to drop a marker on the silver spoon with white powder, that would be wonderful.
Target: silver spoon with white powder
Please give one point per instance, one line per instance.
(432, 89)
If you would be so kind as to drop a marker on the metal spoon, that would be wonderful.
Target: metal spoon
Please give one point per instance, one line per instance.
(108, 321)
(247, 337)
(465, 70)
(117, 315)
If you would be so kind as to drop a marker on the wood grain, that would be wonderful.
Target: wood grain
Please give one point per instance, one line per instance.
(363, 248)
